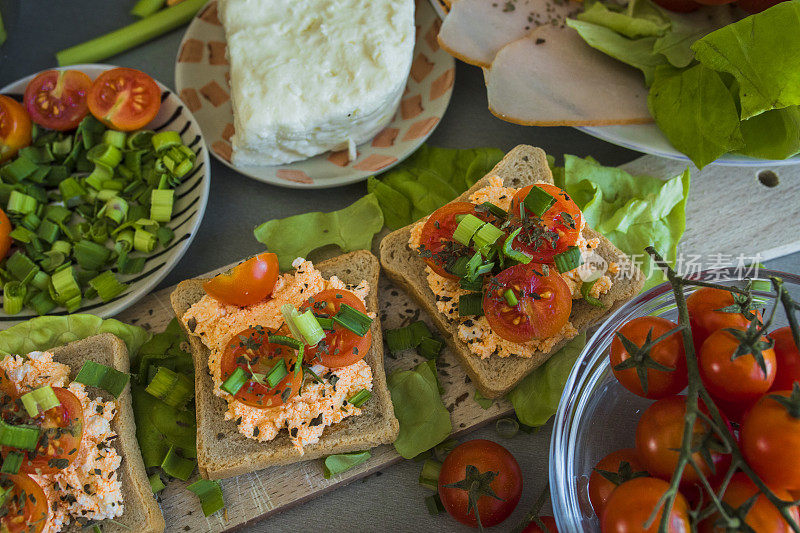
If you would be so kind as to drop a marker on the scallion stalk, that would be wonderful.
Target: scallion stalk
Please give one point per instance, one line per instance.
(107, 286)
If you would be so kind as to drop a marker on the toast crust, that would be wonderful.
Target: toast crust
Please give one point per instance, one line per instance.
(495, 376)
(142, 513)
(223, 452)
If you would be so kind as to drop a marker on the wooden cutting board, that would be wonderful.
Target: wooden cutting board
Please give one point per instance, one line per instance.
(730, 212)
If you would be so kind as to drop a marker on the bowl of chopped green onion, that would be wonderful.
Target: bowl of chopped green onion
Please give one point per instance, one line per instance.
(99, 217)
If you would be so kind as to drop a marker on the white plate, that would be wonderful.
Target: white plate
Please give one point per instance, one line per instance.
(201, 78)
(649, 139)
(190, 204)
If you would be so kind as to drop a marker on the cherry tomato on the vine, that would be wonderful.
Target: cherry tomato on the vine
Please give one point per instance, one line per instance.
(787, 357)
(611, 471)
(705, 316)
(547, 521)
(632, 503)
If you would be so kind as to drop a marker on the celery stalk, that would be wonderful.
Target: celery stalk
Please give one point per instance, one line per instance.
(145, 8)
(130, 36)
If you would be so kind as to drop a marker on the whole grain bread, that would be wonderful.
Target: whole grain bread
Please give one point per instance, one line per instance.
(223, 452)
(495, 376)
(142, 513)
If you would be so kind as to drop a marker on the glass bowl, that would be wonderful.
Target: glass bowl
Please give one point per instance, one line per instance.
(597, 415)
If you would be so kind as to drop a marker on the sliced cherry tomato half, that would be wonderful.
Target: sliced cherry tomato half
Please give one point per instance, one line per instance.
(705, 316)
(340, 347)
(436, 244)
(25, 507)
(56, 99)
(62, 429)
(251, 351)
(610, 472)
(557, 229)
(15, 128)
(788, 359)
(632, 503)
(544, 303)
(125, 99)
(247, 283)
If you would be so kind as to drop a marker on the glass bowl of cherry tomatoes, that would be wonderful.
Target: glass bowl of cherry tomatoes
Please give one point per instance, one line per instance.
(622, 412)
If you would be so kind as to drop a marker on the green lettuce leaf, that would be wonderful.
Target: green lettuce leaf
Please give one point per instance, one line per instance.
(424, 421)
(631, 211)
(640, 18)
(763, 53)
(340, 462)
(429, 179)
(159, 426)
(536, 397)
(351, 228)
(637, 53)
(46, 332)
(774, 134)
(696, 111)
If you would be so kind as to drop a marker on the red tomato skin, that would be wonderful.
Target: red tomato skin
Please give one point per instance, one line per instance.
(548, 521)
(679, 6)
(788, 359)
(669, 352)
(757, 6)
(704, 317)
(64, 93)
(487, 456)
(763, 517)
(350, 347)
(124, 99)
(5, 231)
(770, 442)
(736, 384)
(438, 230)
(248, 283)
(15, 128)
(600, 488)
(658, 437)
(35, 513)
(631, 504)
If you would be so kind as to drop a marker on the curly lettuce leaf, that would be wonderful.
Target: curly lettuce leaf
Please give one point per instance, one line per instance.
(774, 134)
(341, 462)
(424, 421)
(763, 53)
(696, 111)
(631, 211)
(536, 397)
(429, 179)
(351, 228)
(640, 18)
(46, 332)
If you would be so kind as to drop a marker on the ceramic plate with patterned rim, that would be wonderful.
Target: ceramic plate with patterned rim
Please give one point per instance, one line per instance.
(201, 77)
(187, 212)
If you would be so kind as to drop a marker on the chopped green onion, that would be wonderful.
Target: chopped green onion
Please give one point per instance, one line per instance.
(22, 234)
(71, 192)
(41, 281)
(360, 397)
(21, 203)
(13, 297)
(485, 237)
(12, 463)
(308, 326)
(30, 221)
(430, 348)
(21, 437)
(166, 139)
(511, 298)
(341, 462)
(471, 285)
(42, 303)
(104, 377)
(139, 140)
(161, 204)
(474, 263)
(400, 339)
(470, 304)
(434, 504)
(291, 343)
(496, 210)
(443, 449)
(459, 266)
(586, 288)
(171, 388)
(107, 286)
(276, 373)
(19, 169)
(48, 231)
(570, 259)
(156, 483)
(90, 255)
(353, 319)
(115, 138)
(235, 381)
(210, 494)
(144, 241)
(467, 228)
(57, 213)
(429, 476)
(105, 154)
(39, 400)
(116, 209)
(325, 323)
(176, 466)
(21, 267)
(513, 254)
(507, 427)
(99, 175)
(538, 201)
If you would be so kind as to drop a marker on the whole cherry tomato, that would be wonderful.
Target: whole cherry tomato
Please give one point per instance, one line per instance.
(611, 471)
(787, 357)
(706, 317)
(632, 503)
(548, 522)
(247, 283)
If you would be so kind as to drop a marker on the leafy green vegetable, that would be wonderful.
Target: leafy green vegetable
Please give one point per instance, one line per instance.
(536, 397)
(774, 134)
(676, 44)
(763, 53)
(631, 211)
(46, 332)
(634, 52)
(485, 403)
(424, 421)
(639, 19)
(429, 179)
(351, 228)
(159, 426)
(338, 463)
(696, 111)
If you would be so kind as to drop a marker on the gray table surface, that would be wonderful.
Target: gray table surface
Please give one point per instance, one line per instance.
(390, 499)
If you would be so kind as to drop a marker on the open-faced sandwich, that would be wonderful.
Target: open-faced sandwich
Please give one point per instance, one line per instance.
(70, 456)
(289, 367)
(509, 271)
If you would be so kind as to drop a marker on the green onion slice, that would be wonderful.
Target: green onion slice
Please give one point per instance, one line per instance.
(511, 253)
(429, 476)
(485, 237)
(276, 373)
(109, 379)
(156, 483)
(210, 494)
(430, 348)
(359, 398)
(12, 463)
(292, 343)
(161, 201)
(304, 326)
(569, 259)
(538, 201)
(171, 388)
(434, 504)
(496, 210)
(586, 288)
(353, 319)
(511, 298)
(40, 400)
(467, 228)
(470, 304)
(507, 427)
(22, 437)
(176, 466)
(471, 285)
(235, 381)
(13, 297)
(166, 139)
(107, 286)
(458, 266)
